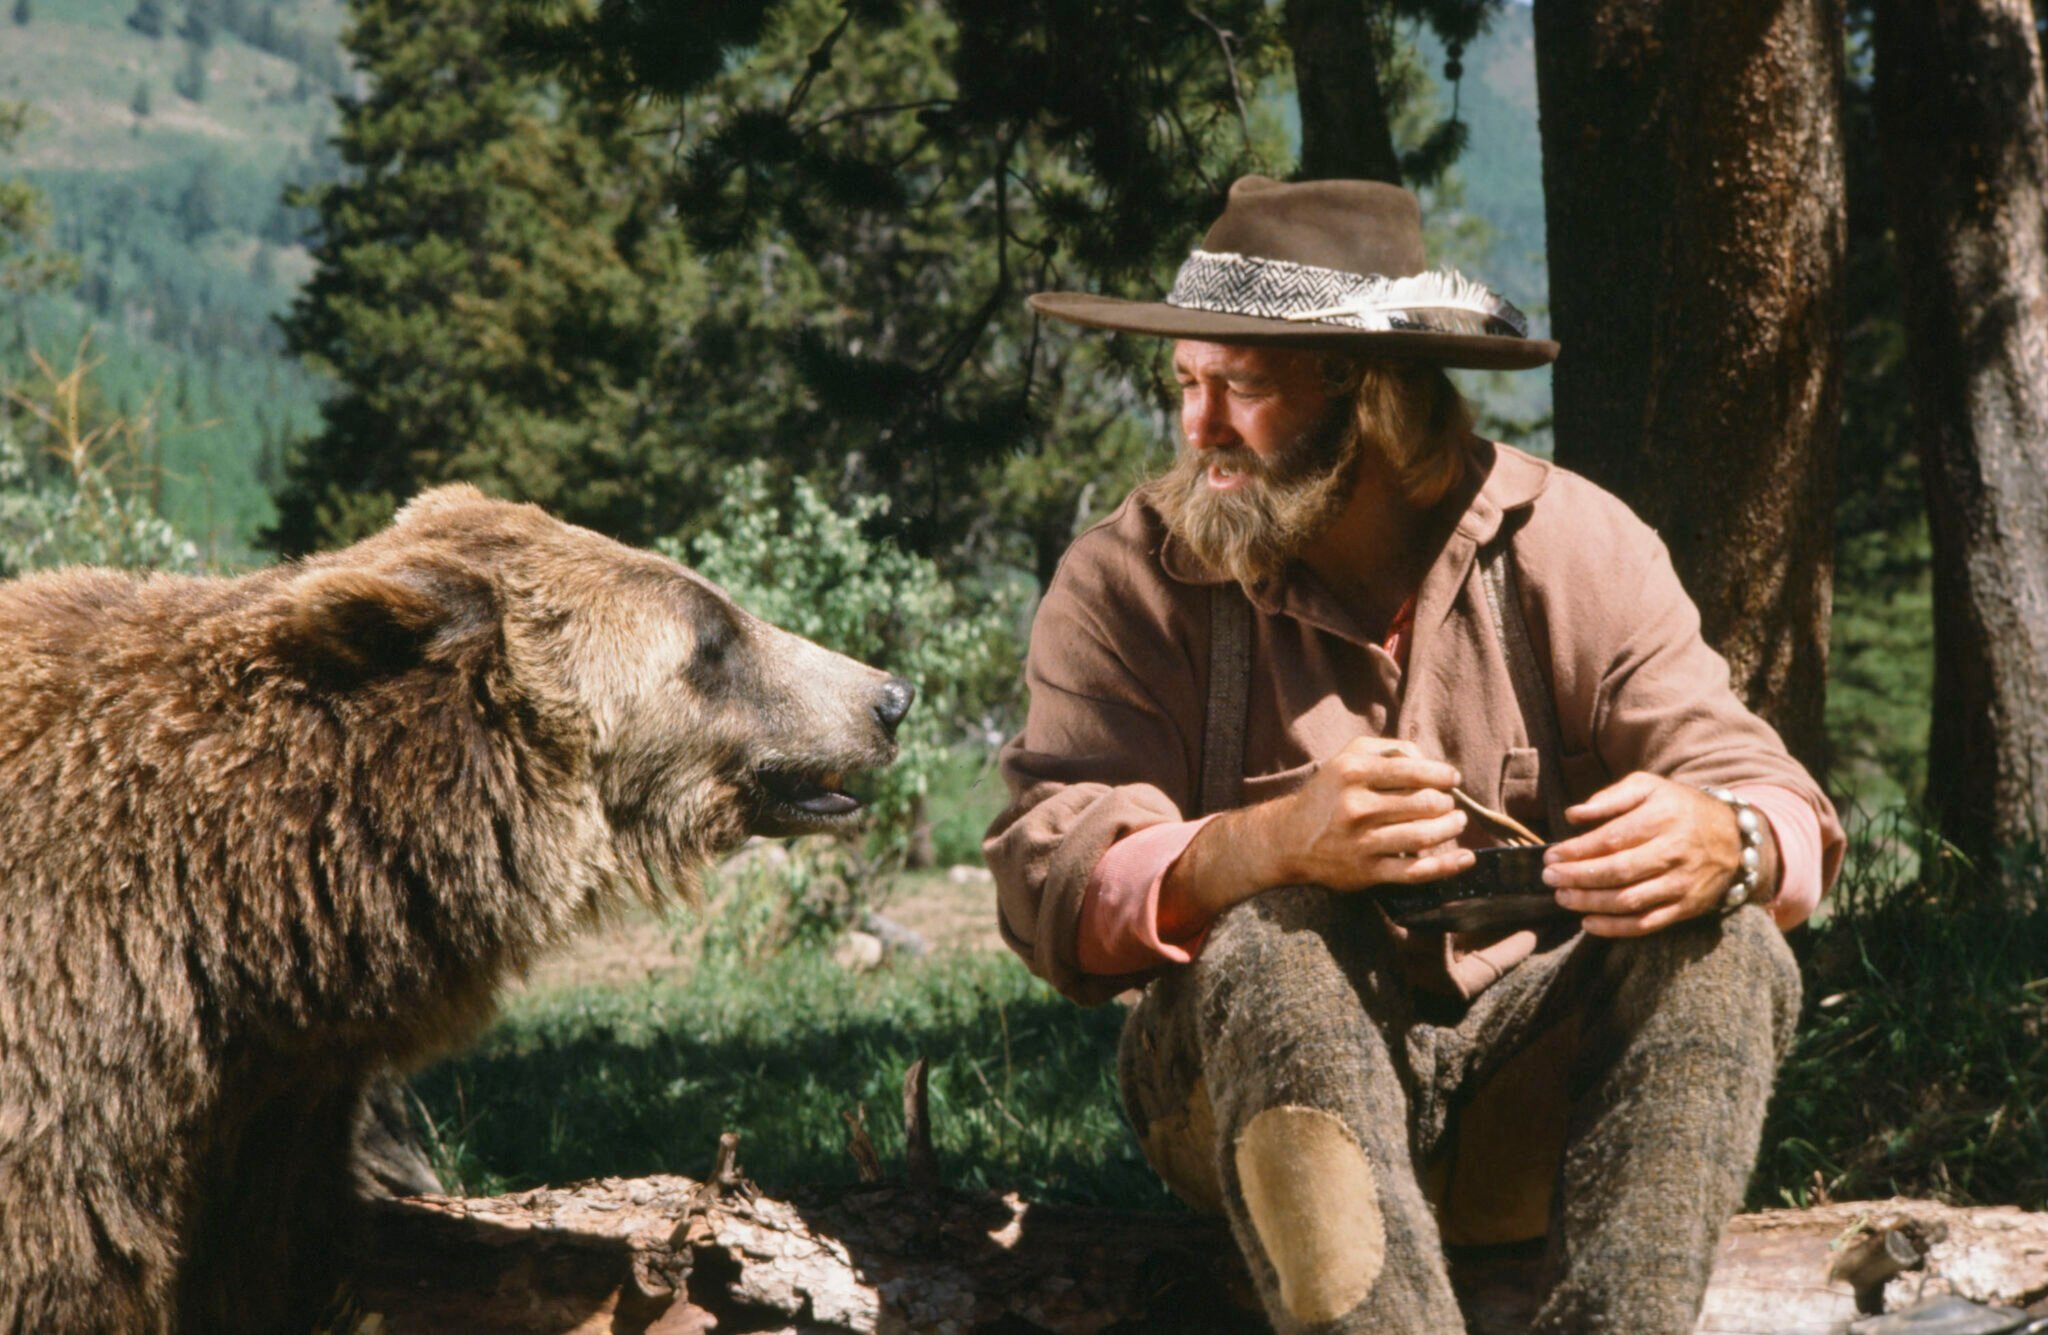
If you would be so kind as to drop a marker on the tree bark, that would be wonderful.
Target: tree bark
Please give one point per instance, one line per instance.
(1692, 172)
(1344, 129)
(1963, 123)
(670, 1255)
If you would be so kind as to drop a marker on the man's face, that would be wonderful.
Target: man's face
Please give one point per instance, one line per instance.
(1242, 406)
(1270, 457)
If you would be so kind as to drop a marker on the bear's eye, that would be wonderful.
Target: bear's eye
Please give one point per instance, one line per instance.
(718, 635)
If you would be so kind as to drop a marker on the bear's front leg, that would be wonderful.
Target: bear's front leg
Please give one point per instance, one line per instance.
(278, 1226)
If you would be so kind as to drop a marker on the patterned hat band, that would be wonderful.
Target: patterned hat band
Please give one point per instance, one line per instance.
(1440, 301)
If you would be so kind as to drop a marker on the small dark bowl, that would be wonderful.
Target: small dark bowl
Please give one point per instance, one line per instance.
(1502, 891)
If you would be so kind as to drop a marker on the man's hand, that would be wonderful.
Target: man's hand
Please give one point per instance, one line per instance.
(1359, 821)
(1661, 852)
(1377, 813)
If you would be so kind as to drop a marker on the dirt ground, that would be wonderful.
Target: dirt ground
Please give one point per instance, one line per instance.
(949, 909)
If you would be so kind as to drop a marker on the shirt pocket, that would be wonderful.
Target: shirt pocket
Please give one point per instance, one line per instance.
(1256, 788)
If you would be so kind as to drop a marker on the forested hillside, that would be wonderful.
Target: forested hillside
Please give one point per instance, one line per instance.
(163, 136)
(166, 133)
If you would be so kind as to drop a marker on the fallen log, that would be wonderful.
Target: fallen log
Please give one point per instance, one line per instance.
(662, 1254)
(668, 1254)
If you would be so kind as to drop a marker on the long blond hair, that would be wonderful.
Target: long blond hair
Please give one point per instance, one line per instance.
(1411, 413)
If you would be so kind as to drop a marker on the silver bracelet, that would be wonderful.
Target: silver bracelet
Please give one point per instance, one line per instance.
(1751, 826)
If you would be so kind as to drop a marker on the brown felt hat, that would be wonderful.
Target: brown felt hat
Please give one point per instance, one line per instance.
(1322, 263)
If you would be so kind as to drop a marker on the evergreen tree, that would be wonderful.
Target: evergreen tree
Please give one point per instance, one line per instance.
(865, 211)
(191, 80)
(201, 24)
(494, 290)
(865, 195)
(22, 13)
(26, 262)
(139, 104)
(148, 19)
(1880, 665)
(1963, 120)
(1694, 187)
(201, 206)
(961, 132)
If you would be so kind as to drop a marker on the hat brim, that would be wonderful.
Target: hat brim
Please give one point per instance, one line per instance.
(1482, 352)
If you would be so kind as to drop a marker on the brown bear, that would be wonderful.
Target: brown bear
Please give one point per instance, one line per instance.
(262, 836)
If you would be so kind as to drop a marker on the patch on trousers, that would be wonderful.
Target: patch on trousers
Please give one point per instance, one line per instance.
(1182, 1149)
(1315, 1205)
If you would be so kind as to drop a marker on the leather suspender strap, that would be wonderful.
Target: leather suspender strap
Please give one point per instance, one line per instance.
(1230, 656)
(1532, 688)
(1230, 674)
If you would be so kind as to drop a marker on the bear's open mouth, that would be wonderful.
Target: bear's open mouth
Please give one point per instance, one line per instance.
(805, 801)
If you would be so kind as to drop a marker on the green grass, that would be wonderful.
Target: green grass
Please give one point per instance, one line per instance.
(1921, 1067)
(591, 1082)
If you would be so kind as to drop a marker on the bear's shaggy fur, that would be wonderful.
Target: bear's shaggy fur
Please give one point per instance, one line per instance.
(260, 837)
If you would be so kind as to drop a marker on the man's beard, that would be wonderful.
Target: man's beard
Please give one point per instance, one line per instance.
(1251, 532)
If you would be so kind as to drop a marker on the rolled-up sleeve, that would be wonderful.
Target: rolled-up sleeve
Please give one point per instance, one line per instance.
(1800, 855)
(1120, 917)
(1104, 753)
(1663, 702)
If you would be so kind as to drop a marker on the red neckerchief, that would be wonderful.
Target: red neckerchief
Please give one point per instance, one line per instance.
(1400, 631)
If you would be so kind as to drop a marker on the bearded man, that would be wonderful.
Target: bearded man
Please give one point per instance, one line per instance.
(1266, 691)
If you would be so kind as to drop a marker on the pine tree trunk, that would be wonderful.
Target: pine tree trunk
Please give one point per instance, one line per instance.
(1344, 130)
(1692, 172)
(1964, 128)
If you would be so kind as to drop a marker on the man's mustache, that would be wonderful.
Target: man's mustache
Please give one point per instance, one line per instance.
(1312, 453)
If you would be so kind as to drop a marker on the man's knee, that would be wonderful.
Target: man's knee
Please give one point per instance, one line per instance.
(1312, 1198)
(1266, 1016)
(1725, 966)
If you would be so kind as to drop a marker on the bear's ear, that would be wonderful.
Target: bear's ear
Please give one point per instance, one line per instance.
(438, 500)
(361, 623)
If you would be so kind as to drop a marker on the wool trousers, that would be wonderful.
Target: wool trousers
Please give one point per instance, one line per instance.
(1290, 1078)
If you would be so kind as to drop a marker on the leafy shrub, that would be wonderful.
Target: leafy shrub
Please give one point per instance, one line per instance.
(80, 519)
(967, 793)
(813, 570)
(94, 507)
(805, 565)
